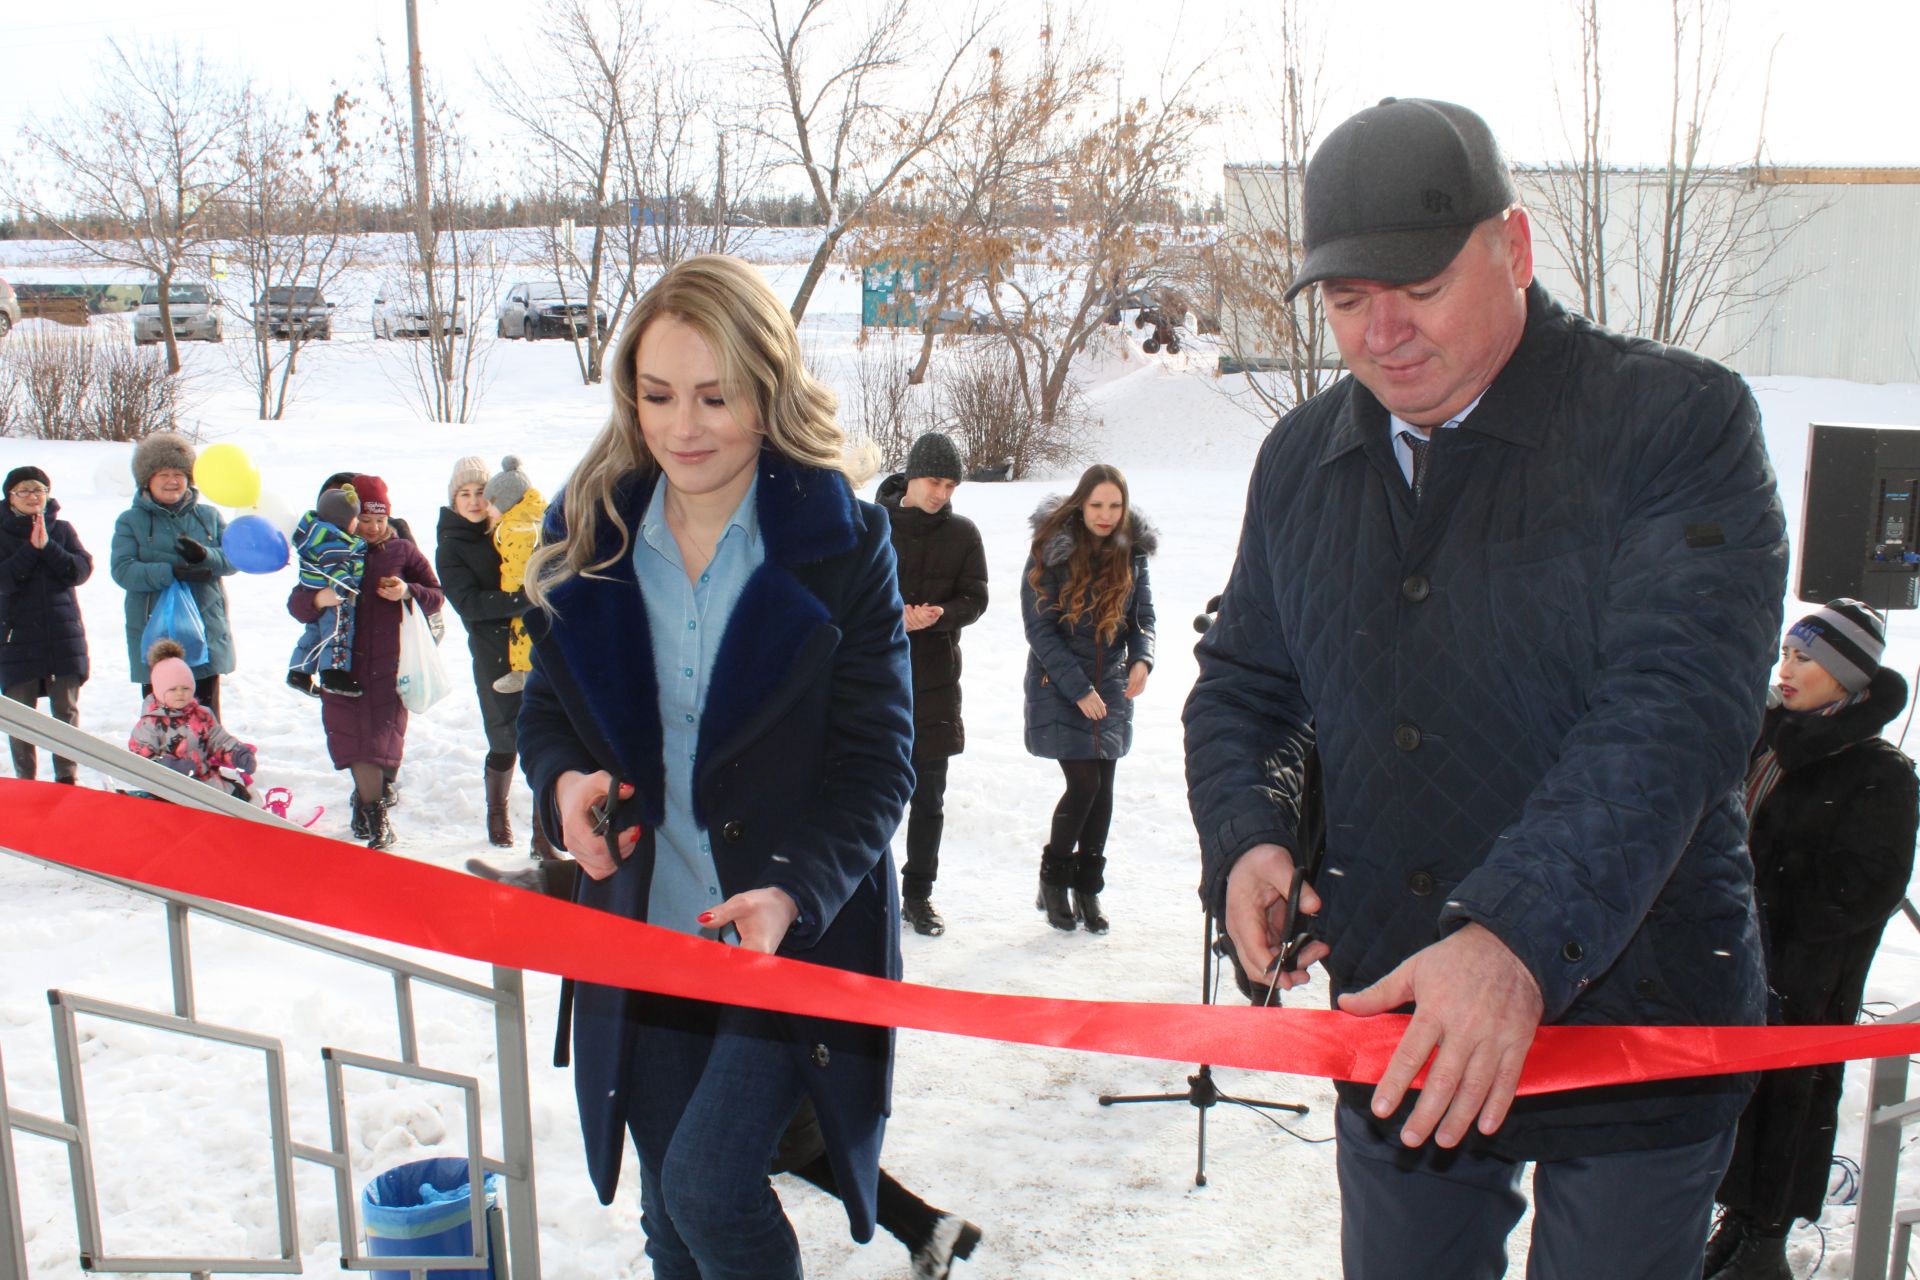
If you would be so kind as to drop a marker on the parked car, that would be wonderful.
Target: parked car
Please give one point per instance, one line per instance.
(284, 310)
(9, 309)
(195, 310)
(406, 317)
(547, 308)
(59, 303)
(961, 319)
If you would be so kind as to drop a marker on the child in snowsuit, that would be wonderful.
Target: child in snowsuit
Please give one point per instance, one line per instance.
(329, 555)
(518, 510)
(177, 731)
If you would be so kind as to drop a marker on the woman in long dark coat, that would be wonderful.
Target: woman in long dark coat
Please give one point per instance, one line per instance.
(720, 668)
(43, 642)
(367, 734)
(1833, 814)
(469, 568)
(1088, 611)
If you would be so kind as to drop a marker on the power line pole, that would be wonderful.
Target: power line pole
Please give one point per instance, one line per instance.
(422, 200)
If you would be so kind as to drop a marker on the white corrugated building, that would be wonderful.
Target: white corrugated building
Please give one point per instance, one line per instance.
(1840, 294)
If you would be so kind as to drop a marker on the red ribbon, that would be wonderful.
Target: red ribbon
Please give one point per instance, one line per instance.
(302, 876)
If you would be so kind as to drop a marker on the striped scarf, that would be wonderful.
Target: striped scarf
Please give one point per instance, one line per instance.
(1765, 771)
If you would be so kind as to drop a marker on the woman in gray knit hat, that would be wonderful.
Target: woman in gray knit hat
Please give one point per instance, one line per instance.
(168, 535)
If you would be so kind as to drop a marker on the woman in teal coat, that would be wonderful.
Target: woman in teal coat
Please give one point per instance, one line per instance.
(169, 536)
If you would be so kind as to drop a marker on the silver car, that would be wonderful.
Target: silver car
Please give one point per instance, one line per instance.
(9, 309)
(547, 309)
(195, 310)
(405, 316)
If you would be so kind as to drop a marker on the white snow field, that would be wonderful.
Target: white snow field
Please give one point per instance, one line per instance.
(1009, 1136)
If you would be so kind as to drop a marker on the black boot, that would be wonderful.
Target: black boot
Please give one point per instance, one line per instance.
(1089, 882)
(542, 850)
(379, 829)
(1056, 874)
(360, 828)
(952, 1237)
(1728, 1232)
(499, 828)
(921, 915)
(340, 683)
(1757, 1257)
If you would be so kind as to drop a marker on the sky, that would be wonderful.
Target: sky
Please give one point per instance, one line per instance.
(1832, 97)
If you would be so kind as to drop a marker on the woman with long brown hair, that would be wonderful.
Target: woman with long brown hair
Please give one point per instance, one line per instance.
(1088, 610)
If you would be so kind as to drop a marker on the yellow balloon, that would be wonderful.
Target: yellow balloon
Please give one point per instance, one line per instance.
(226, 475)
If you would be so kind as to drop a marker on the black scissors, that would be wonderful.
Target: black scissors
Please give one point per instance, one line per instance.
(1294, 936)
(609, 821)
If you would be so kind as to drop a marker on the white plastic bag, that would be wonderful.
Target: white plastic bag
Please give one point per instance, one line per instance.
(422, 679)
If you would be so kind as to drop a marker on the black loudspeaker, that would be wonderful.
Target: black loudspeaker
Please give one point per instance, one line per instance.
(1860, 528)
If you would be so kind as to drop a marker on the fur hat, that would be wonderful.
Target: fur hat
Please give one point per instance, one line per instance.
(505, 490)
(471, 469)
(159, 452)
(338, 507)
(1847, 639)
(935, 455)
(372, 492)
(168, 665)
(20, 475)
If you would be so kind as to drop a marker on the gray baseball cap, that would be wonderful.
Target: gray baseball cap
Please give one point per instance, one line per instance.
(1394, 192)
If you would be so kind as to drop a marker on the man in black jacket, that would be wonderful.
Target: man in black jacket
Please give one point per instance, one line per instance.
(943, 582)
(1517, 580)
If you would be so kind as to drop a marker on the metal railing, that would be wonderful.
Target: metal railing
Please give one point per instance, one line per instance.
(1882, 1234)
(521, 1251)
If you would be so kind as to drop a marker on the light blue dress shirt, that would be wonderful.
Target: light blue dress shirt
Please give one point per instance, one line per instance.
(1403, 452)
(688, 619)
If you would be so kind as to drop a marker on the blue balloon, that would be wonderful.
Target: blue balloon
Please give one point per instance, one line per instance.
(254, 545)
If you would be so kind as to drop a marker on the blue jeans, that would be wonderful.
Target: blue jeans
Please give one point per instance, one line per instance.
(715, 1087)
(1445, 1215)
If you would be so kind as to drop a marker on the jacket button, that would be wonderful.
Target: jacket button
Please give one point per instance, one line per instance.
(1416, 588)
(1573, 953)
(820, 1055)
(1421, 883)
(1406, 736)
(1643, 987)
(732, 830)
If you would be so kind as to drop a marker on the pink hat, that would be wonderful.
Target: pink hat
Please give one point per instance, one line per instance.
(168, 665)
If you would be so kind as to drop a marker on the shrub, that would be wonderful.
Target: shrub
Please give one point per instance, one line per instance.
(89, 384)
(989, 413)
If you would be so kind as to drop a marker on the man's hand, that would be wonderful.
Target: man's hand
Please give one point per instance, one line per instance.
(918, 617)
(762, 916)
(575, 794)
(1476, 1009)
(1257, 909)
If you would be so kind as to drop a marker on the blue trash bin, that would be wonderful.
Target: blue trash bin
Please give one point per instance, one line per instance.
(425, 1209)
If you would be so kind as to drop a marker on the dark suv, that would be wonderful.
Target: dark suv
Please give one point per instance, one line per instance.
(284, 310)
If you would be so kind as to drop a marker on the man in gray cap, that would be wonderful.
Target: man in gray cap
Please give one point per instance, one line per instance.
(1517, 581)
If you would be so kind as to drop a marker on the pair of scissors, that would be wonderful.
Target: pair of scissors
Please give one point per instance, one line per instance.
(605, 813)
(1294, 936)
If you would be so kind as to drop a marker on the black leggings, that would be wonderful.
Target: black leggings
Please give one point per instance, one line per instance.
(1085, 811)
(500, 761)
(369, 779)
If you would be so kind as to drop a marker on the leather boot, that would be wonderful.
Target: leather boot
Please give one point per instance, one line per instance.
(499, 827)
(1758, 1257)
(379, 828)
(1056, 874)
(1089, 881)
(359, 811)
(1728, 1232)
(542, 850)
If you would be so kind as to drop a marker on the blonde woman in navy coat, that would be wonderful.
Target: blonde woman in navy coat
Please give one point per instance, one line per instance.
(719, 655)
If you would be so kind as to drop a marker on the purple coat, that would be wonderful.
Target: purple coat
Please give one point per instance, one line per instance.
(372, 729)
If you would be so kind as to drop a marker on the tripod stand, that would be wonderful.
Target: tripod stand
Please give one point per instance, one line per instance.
(1201, 1092)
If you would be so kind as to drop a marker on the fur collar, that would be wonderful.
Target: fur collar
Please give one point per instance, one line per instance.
(1801, 737)
(1138, 534)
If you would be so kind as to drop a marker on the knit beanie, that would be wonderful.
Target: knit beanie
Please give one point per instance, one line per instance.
(934, 455)
(168, 663)
(158, 452)
(471, 469)
(372, 492)
(338, 507)
(20, 475)
(1846, 638)
(505, 490)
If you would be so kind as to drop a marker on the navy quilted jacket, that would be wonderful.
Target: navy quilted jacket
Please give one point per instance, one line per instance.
(1533, 695)
(41, 633)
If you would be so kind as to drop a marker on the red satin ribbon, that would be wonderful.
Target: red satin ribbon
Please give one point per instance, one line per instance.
(302, 876)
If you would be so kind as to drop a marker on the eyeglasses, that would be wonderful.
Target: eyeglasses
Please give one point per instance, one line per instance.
(29, 490)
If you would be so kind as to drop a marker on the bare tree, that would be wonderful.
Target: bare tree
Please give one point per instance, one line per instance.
(148, 158)
(856, 116)
(288, 222)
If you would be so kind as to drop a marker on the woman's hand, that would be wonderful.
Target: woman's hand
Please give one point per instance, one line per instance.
(1092, 705)
(762, 916)
(326, 598)
(38, 538)
(575, 794)
(392, 589)
(1137, 679)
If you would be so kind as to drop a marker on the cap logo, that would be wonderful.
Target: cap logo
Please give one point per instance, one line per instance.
(1436, 201)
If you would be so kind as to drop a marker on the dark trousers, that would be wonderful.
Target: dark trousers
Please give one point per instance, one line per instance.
(1440, 1215)
(1086, 810)
(206, 691)
(63, 704)
(926, 818)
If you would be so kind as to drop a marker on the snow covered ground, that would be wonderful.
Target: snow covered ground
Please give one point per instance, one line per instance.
(1010, 1137)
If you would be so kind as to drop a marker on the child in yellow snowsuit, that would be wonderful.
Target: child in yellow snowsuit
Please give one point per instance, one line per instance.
(518, 509)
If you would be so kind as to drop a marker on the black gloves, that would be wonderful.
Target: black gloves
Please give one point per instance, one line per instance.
(190, 551)
(244, 758)
(193, 573)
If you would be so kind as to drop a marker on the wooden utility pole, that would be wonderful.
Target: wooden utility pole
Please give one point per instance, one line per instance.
(422, 197)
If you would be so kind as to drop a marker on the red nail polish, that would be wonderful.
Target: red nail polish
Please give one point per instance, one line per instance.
(706, 917)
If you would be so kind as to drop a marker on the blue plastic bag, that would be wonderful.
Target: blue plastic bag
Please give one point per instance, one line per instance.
(176, 617)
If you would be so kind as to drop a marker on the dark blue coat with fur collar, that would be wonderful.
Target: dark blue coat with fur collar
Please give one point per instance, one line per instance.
(802, 772)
